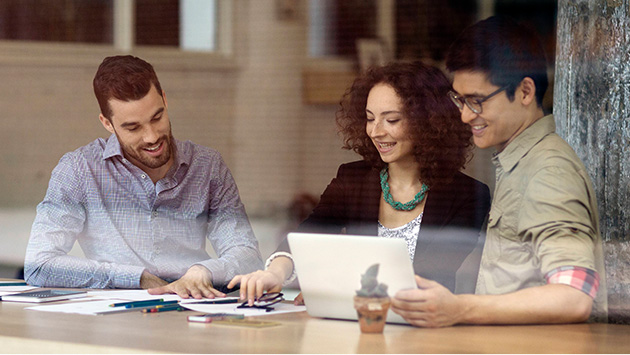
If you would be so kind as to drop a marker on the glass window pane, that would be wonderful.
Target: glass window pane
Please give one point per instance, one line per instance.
(87, 21)
(426, 29)
(157, 22)
(335, 25)
(540, 15)
(188, 24)
(199, 25)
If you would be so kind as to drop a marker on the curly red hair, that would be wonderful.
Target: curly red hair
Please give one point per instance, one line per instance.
(442, 140)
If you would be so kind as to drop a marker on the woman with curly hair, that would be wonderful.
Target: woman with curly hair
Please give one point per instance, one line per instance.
(400, 119)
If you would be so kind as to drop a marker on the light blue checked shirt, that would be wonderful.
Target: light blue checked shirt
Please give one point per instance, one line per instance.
(125, 223)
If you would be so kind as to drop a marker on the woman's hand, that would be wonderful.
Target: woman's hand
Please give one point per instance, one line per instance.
(299, 300)
(254, 284)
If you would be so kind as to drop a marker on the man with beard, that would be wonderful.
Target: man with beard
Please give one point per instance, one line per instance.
(140, 203)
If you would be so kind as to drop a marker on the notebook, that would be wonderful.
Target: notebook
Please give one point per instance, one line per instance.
(329, 267)
(40, 296)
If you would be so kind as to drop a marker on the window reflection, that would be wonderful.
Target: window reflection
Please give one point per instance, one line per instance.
(186, 24)
(336, 25)
(57, 20)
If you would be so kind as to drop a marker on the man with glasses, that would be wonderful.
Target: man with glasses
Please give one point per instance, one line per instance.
(542, 261)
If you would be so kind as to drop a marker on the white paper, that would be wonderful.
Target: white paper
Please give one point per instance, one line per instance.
(7, 290)
(143, 295)
(130, 295)
(88, 307)
(102, 307)
(248, 312)
(98, 303)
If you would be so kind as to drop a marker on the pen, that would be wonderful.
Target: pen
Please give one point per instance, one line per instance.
(16, 283)
(148, 304)
(173, 307)
(135, 302)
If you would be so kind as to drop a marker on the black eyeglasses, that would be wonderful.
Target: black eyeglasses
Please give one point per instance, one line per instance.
(265, 301)
(473, 103)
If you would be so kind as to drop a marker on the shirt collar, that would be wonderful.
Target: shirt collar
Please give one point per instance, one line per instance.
(112, 148)
(524, 142)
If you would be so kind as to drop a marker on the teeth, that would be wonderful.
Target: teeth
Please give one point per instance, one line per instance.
(386, 145)
(479, 127)
(154, 148)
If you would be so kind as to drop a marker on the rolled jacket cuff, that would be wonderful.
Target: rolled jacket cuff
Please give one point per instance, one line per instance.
(293, 275)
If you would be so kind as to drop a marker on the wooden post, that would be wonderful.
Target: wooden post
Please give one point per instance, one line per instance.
(592, 112)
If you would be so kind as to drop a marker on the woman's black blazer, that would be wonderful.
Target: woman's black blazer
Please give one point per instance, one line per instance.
(454, 215)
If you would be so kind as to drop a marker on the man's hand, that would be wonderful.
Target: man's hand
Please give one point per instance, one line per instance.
(196, 283)
(431, 305)
(148, 280)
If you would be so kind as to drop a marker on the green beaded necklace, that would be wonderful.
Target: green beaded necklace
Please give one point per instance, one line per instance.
(387, 196)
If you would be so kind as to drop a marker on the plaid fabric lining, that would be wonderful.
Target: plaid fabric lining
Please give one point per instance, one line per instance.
(585, 280)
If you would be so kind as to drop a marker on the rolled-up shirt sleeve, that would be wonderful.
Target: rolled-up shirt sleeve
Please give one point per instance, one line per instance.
(583, 279)
(561, 229)
(557, 219)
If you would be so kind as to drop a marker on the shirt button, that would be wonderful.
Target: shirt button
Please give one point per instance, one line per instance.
(154, 214)
(143, 176)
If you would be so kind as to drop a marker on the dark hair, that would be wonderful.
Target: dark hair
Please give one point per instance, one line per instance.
(503, 49)
(124, 78)
(442, 141)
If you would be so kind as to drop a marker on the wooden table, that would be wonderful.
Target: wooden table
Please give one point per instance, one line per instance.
(28, 331)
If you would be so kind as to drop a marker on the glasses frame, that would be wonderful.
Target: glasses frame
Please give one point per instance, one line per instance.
(470, 101)
(265, 301)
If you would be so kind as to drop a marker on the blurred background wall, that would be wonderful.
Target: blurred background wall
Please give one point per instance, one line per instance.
(258, 80)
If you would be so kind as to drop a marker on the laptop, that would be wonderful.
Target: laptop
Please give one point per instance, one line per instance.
(329, 267)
